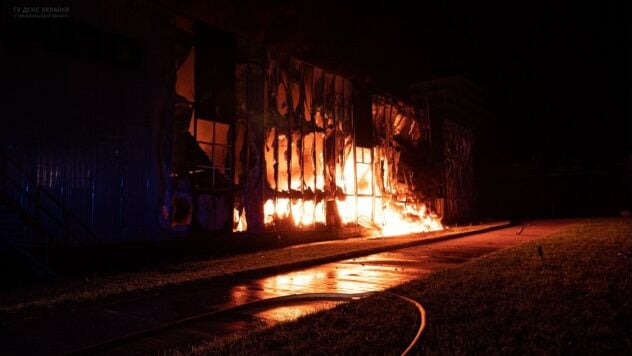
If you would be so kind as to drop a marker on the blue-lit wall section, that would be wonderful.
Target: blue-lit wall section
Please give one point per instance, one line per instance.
(87, 114)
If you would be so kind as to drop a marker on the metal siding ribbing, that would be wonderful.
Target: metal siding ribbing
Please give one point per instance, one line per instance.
(85, 129)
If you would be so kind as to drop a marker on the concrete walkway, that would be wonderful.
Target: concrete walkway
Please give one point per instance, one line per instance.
(69, 328)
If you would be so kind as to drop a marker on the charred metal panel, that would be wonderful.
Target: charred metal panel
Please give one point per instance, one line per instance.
(398, 135)
(205, 129)
(363, 115)
(249, 176)
(254, 185)
(308, 136)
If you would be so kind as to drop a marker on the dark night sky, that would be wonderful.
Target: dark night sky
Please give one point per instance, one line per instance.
(557, 75)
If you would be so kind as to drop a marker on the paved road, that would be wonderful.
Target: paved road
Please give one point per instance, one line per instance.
(63, 333)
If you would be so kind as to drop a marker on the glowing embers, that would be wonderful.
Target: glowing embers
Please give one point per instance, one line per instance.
(298, 212)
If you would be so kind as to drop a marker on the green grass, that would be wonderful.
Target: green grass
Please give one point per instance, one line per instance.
(577, 299)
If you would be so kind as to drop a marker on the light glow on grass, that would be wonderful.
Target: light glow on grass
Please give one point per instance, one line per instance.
(576, 299)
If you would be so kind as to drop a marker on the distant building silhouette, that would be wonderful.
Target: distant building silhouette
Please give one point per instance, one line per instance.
(456, 110)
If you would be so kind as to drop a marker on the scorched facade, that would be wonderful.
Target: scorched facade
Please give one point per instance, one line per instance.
(127, 131)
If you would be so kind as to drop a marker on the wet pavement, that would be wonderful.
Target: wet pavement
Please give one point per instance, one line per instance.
(57, 334)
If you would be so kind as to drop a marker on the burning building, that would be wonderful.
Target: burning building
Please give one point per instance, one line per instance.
(127, 132)
(300, 153)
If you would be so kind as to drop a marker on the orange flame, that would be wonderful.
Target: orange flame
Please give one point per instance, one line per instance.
(357, 177)
(390, 220)
(239, 221)
(400, 220)
(303, 212)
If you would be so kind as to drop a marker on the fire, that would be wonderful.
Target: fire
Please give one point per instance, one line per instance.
(239, 220)
(361, 203)
(302, 212)
(314, 167)
(391, 220)
(400, 220)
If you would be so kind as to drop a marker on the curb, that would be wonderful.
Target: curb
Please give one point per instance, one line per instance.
(263, 303)
(261, 272)
(344, 256)
(135, 295)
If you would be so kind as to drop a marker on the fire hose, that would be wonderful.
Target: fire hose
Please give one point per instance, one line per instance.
(129, 338)
(422, 323)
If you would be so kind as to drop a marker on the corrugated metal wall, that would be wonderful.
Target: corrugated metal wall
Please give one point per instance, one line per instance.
(86, 114)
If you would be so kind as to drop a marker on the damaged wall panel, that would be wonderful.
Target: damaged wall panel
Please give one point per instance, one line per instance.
(396, 130)
(205, 128)
(315, 174)
(460, 193)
